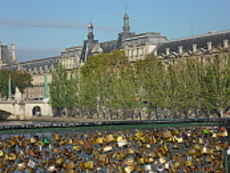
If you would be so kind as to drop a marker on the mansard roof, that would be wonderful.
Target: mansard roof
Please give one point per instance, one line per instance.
(216, 38)
(109, 46)
(45, 63)
(145, 38)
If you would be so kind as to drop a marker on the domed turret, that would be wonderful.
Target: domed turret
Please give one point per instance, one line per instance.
(126, 27)
(90, 31)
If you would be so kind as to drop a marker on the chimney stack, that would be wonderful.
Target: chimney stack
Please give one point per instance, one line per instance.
(13, 52)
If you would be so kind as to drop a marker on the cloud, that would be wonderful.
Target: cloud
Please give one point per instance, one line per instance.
(53, 24)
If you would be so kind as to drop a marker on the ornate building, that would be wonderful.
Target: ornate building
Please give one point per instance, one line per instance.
(136, 47)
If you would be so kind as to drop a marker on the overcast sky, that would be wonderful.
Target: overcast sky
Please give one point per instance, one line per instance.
(44, 28)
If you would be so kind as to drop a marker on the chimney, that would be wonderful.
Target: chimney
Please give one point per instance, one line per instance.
(13, 52)
(225, 44)
(194, 48)
(1, 51)
(209, 45)
(180, 49)
(167, 51)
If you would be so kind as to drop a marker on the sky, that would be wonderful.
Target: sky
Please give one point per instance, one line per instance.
(44, 28)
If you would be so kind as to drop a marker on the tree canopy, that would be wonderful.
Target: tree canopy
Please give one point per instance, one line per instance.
(20, 79)
(110, 84)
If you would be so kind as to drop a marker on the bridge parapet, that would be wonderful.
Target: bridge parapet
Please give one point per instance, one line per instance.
(26, 109)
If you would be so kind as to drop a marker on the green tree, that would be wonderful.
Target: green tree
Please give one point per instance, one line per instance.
(63, 90)
(20, 79)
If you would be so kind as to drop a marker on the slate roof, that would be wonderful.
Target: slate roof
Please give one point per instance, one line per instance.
(109, 46)
(43, 64)
(216, 38)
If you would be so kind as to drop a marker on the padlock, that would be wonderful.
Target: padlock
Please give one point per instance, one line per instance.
(167, 134)
(99, 140)
(141, 161)
(109, 138)
(129, 169)
(88, 165)
(59, 161)
(162, 160)
(122, 143)
(129, 161)
(197, 146)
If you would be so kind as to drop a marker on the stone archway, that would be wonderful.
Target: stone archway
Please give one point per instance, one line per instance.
(36, 111)
(4, 115)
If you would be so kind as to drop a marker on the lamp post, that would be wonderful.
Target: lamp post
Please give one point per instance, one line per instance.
(9, 88)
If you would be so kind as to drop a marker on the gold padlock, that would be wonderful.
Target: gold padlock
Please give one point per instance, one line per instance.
(129, 169)
(141, 161)
(191, 151)
(57, 137)
(167, 134)
(197, 146)
(77, 147)
(162, 160)
(120, 138)
(188, 163)
(177, 164)
(205, 150)
(1, 153)
(88, 165)
(179, 139)
(130, 151)
(129, 161)
(109, 138)
(12, 156)
(218, 148)
(99, 140)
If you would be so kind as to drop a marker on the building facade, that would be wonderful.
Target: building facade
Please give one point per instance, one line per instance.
(135, 46)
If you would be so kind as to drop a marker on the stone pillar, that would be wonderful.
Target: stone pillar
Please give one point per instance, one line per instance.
(209, 45)
(13, 47)
(194, 48)
(225, 44)
(167, 51)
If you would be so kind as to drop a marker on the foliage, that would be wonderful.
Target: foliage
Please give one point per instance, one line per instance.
(63, 89)
(172, 89)
(20, 79)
